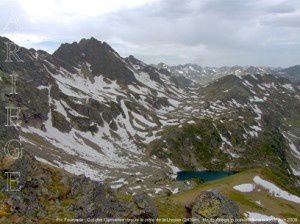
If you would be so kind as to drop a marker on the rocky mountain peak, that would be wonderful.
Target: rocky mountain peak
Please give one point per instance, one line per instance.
(99, 56)
(85, 49)
(133, 60)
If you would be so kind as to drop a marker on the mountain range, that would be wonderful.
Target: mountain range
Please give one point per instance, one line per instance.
(132, 126)
(204, 75)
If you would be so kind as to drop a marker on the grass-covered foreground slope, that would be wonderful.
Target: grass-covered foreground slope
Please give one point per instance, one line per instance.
(283, 203)
(257, 200)
(49, 194)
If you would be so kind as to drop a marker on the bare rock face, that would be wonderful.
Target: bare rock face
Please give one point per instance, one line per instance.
(102, 58)
(144, 207)
(46, 191)
(213, 205)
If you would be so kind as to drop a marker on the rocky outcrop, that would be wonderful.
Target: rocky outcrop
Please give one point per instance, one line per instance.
(213, 205)
(100, 56)
(144, 207)
(47, 193)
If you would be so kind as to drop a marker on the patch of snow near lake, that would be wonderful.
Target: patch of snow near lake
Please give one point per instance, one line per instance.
(258, 112)
(79, 87)
(276, 191)
(254, 77)
(126, 121)
(252, 133)
(173, 102)
(295, 172)
(144, 78)
(288, 87)
(269, 85)
(139, 89)
(174, 169)
(252, 91)
(169, 122)
(233, 155)
(137, 125)
(236, 103)
(188, 108)
(257, 217)
(143, 120)
(259, 203)
(116, 186)
(61, 109)
(244, 187)
(294, 149)
(248, 84)
(157, 190)
(79, 168)
(175, 191)
(256, 99)
(256, 128)
(225, 140)
(71, 111)
(135, 187)
(261, 87)
(41, 87)
(44, 161)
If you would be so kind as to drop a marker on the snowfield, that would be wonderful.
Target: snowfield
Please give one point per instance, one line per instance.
(245, 187)
(257, 217)
(276, 191)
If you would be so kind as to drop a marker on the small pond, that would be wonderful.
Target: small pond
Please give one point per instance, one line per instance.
(203, 175)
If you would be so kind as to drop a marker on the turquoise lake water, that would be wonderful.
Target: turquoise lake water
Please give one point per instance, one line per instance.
(203, 175)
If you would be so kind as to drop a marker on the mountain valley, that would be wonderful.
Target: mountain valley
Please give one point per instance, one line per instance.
(88, 112)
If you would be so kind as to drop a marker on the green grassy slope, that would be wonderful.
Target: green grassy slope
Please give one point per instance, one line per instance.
(270, 205)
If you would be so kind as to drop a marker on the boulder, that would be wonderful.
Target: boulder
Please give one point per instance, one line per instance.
(213, 205)
(144, 207)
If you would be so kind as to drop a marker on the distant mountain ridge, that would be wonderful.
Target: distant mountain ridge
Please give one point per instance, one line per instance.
(292, 73)
(204, 75)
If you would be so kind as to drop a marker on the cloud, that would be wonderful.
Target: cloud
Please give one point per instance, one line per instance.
(283, 20)
(208, 32)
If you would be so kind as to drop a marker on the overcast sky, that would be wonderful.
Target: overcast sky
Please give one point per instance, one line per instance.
(206, 32)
